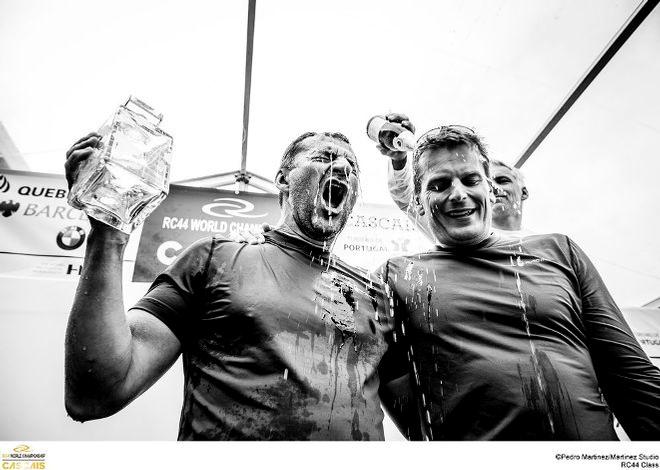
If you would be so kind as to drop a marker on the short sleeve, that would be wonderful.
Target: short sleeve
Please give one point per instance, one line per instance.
(177, 294)
(628, 379)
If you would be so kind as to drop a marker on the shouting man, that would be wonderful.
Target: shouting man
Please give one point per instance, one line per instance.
(279, 340)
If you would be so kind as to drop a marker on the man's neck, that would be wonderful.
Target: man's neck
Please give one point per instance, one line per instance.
(289, 226)
(472, 243)
(510, 222)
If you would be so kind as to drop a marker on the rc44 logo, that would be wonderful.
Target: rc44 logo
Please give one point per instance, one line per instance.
(226, 207)
(7, 208)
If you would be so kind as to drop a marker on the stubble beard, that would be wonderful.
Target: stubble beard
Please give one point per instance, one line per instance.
(314, 222)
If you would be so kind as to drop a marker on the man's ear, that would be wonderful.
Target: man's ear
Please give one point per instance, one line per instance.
(525, 193)
(419, 207)
(282, 182)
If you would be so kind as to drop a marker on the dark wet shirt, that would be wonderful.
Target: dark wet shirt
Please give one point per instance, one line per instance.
(280, 341)
(515, 339)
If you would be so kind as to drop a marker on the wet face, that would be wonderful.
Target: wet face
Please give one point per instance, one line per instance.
(323, 187)
(455, 196)
(509, 192)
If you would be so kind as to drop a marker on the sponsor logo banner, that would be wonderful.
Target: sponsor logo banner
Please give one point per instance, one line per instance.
(39, 267)
(373, 233)
(35, 218)
(189, 214)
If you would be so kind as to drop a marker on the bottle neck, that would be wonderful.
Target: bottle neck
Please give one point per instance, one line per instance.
(405, 141)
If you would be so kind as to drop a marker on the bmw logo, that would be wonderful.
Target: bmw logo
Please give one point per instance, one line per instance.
(4, 184)
(71, 237)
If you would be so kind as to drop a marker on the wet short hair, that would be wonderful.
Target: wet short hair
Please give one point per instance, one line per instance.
(517, 174)
(298, 145)
(447, 137)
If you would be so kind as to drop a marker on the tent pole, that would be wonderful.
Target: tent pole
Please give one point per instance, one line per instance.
(248, 81)
(639, 15)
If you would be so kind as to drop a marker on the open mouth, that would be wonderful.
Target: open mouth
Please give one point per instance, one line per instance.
(459, 213)
(333, 194)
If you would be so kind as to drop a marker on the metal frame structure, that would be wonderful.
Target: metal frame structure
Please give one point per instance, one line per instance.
(638, 16)
(239, 179)
(242, 179)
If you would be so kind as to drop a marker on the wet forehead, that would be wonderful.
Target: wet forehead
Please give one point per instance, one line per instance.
(501, 170)
(324, 145)
(498, 171)
(457, 160)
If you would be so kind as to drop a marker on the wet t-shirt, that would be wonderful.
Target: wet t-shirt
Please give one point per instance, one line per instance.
(280, 341)
(516, 339)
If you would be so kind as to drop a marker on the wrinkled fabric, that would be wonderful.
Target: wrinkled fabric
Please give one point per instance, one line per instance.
(280, 341)
(400, 185)
(515, 339)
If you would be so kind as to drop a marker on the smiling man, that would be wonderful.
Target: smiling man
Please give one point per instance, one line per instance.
(508, 184)
(280, 341)
(510, 339)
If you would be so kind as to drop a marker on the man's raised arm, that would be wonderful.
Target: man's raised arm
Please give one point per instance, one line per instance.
(111, 357)
(400, 177)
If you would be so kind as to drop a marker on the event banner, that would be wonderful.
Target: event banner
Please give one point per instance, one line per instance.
(189, 214)
(373, 232)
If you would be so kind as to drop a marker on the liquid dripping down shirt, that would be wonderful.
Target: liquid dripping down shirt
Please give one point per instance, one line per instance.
(281, 341)
(516, 339)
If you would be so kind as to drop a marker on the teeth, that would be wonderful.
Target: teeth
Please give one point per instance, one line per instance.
(460, 213)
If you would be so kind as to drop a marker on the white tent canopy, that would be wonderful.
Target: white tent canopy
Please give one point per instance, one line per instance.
(499, 66)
